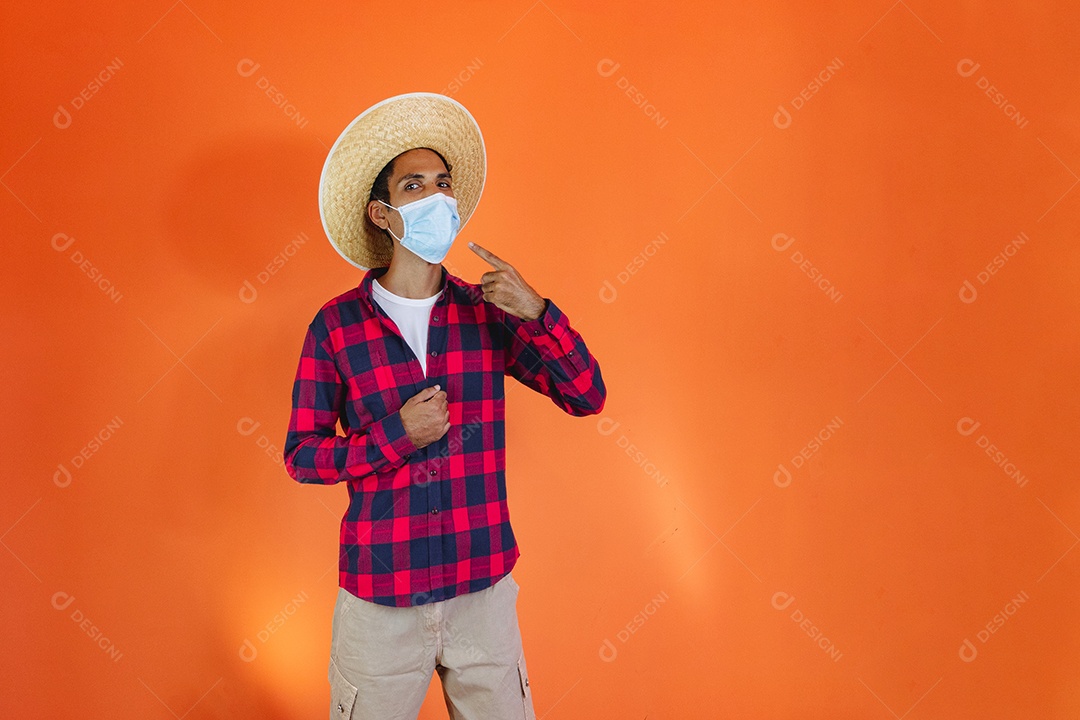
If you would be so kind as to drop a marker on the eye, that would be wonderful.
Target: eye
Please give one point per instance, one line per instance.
(444, 183)
(412, 185)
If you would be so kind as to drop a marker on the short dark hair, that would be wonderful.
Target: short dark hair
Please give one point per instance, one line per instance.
(380, 189)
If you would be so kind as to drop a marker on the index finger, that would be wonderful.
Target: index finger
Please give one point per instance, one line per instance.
(496, 262)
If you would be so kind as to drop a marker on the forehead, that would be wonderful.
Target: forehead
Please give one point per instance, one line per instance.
(418, 160)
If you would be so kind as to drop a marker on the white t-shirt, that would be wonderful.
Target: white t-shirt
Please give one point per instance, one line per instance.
(412, 316)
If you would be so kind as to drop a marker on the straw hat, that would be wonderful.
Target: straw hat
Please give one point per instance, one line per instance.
(377, 136)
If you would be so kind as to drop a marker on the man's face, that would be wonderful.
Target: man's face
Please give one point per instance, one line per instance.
(417, 173)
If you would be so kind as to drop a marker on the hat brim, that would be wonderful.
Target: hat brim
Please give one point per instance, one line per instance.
(374, 138)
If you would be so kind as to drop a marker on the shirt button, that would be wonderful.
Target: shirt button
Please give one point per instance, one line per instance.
(433, 472)
(434, 511)
(436, 318)
(434, 353)
(550, 326)
(568, 354)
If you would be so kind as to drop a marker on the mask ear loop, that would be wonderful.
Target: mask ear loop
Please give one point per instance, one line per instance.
(388, 222)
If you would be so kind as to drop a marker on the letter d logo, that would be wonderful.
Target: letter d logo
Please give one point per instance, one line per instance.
(782, 118)
(62, 118)
(61, 242)
(246, 426)
(62, 477)
(248, 651)
(247, 67)
(607, 67)
(780, 237)
(606, 426)
(61, 600)
(782, 477)
(968, 651)
(968, 293)
(965, 426)
(248, 293)
(608, 293)
(782, 600)
(967, 67)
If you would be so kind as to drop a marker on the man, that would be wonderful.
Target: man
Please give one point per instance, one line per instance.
(411, 362)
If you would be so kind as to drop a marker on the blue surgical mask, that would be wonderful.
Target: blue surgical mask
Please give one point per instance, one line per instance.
(431, 224)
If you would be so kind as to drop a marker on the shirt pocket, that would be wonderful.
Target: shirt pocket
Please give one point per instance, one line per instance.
(526, 692)
(375, 388)
(342, 694)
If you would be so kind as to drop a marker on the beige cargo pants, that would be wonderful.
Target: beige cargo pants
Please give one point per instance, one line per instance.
(382, 658)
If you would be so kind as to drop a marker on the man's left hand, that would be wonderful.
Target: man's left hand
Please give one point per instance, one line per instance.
(505, 287)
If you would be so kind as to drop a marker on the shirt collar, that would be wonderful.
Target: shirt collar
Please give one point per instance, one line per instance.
(364, 289)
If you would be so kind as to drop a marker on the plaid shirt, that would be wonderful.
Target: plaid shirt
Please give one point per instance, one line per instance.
(431, 523)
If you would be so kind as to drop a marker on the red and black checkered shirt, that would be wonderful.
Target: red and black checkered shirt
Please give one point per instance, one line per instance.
(431, 523)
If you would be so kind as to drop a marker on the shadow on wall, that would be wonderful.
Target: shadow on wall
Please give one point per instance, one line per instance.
(241, 225)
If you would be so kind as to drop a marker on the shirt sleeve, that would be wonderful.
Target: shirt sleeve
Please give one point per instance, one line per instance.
(549, 356)
(314, 452)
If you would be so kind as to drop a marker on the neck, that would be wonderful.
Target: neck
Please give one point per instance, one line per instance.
(411, 277)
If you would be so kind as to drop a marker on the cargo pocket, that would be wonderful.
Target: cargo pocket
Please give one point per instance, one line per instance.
(342, 694)
(526, 691)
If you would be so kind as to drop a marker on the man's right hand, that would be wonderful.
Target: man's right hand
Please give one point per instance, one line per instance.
(425, 416)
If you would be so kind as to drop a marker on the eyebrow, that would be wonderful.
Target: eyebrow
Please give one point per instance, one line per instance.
(419, 176)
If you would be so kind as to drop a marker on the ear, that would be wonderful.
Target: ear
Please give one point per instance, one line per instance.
(376, 212)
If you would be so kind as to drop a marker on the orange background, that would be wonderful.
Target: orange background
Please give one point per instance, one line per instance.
(667, 562)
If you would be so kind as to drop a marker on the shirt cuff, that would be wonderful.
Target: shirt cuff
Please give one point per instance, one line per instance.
(551, 333)
(390, 436)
